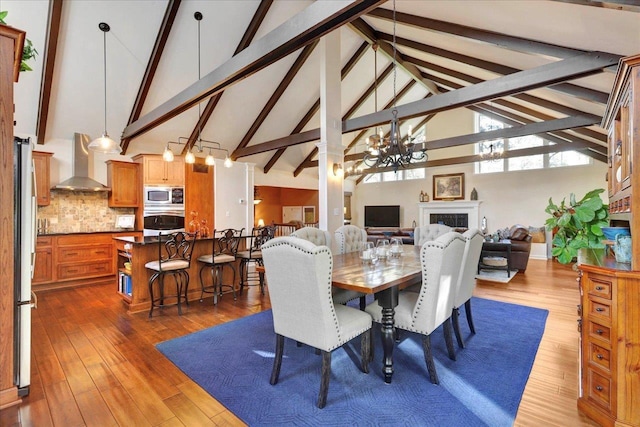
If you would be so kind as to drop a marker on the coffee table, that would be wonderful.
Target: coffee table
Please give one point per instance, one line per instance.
(502, 249)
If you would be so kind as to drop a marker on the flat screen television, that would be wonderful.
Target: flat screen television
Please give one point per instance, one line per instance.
(382, 216)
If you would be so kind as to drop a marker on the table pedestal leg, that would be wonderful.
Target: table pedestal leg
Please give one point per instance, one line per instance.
(388, 299)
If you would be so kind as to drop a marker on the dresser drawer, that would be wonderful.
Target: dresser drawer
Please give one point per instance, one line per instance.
(599, 355)
(599, 286)
(599, 309)
(599, 331)
(599, 388)
(91, 269)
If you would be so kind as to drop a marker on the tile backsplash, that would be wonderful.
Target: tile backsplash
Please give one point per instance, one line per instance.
(80, 212)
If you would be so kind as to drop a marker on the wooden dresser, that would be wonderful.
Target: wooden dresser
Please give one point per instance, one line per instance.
(610, 292)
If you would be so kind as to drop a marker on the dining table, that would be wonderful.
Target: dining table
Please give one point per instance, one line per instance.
(384, 279)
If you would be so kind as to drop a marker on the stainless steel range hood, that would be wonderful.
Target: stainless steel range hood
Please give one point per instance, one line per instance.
(80, 180)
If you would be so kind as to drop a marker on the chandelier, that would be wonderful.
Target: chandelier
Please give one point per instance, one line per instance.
(491, 155)
(391, 151)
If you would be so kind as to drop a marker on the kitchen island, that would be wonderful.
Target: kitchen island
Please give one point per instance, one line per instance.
(133, 284)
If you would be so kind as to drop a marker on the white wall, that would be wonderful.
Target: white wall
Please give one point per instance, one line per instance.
(233, 191)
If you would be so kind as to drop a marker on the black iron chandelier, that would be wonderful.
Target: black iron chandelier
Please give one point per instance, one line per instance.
(392, 151)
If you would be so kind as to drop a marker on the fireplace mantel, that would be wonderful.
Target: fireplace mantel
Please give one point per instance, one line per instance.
(470, 207)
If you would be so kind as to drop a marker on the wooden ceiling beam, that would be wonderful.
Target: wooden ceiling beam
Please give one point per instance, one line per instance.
(282, 87)
(169, 18)
(249, 34)
(365, 31)
(565, 88)
(316, 106)
(53, 31)
(578, 66)
(307, 26)
(502, 40)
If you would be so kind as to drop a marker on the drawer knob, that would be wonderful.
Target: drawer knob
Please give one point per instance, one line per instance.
(599, 356)
(599, 288)
(599, 331)
(599, 388)
(599, 309)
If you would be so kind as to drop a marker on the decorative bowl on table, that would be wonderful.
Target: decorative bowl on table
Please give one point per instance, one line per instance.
(610, 233)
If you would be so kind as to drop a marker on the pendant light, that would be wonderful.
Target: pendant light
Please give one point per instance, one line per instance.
(104, 144)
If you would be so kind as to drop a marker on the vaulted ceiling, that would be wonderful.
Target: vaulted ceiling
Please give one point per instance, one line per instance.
(542, 67)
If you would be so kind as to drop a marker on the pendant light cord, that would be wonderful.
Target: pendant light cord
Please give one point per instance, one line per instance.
(394, 54)
(104, 50)
(198, 17)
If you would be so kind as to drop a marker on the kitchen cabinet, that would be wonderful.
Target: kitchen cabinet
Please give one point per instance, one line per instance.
(610, 345)
(68, 260)
(42, 166)
(124, 180)
(157, 171)
(43, 269)
(199, 186)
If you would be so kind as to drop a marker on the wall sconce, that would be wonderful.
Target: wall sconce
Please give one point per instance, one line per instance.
(337, 169)
(261, 222)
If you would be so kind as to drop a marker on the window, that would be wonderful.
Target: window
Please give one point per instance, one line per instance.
(538, 161)
(401, 175)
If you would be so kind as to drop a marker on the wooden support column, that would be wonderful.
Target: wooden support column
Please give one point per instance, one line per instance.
(330, 149)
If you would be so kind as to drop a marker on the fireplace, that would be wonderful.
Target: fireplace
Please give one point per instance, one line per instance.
(456, 212)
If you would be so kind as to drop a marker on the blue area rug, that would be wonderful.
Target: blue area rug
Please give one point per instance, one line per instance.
(483, 387)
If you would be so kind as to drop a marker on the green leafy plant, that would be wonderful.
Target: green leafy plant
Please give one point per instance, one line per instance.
(578, 224)
(28, 52)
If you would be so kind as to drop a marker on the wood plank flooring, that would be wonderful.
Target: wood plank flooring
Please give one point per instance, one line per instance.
(95, 365)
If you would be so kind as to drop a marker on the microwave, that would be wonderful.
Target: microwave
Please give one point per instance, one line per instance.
(171, 197)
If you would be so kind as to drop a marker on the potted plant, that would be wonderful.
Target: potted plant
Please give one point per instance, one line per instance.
(577, 225)
(28, 52)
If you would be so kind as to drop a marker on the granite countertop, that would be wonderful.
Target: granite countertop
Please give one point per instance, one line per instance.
(120, 231)
(148, 240)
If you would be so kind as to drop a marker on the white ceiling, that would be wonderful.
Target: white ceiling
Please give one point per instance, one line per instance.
(76, 103)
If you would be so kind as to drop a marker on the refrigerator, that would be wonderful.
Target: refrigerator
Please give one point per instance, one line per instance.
(24, 256)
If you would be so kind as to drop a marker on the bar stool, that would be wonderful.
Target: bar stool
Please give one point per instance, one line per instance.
(173, 261)
(223, 254)
(258, 236)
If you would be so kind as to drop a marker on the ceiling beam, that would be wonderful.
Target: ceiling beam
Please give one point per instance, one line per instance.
(248, 36)
(511, 105)
(626, 5)
(307, 26)
(566, 88)
(365, 31)
(505, 41)
(578, 66)
(284, 84)
(53, 31)
(316, 105)
(156, 54)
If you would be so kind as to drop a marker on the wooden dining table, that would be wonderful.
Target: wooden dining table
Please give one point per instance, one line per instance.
(384, 279)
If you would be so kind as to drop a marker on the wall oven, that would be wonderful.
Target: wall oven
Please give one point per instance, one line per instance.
(168, 197)
(162, 220)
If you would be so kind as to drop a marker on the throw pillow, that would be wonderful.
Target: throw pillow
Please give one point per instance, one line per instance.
(519, 233)
(504, 233)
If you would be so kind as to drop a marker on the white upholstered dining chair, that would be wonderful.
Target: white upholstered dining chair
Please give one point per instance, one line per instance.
(429, 232)
(314, 235)
(349, 238)
(423, 312)
(467, 280)
(299, 276)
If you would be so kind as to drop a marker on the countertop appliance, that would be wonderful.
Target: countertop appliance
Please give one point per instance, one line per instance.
(24, 256)
(168, 197)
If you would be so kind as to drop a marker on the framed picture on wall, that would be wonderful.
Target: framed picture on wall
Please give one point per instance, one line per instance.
(448, 187)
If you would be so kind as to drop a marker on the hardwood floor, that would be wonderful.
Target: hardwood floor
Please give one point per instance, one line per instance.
(95, 365)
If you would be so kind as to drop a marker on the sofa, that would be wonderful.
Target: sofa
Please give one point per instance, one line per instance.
(520, 245)
(376, 233)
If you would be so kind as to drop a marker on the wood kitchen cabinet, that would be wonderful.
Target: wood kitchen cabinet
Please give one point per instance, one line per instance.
(42, 166)
(43, 269)
(156, 171)
(199, 186)
(124, 180)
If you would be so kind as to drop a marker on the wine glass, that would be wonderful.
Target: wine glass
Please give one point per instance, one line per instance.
(396, 249)
(382, 248)
(368, 254)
